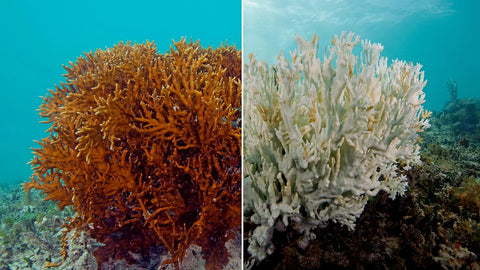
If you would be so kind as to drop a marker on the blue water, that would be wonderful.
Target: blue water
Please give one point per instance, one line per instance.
(442, 35)
(38, 37)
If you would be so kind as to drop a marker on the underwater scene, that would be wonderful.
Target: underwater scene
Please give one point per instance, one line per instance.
(121, 139)
(246, 134)
(361, 124)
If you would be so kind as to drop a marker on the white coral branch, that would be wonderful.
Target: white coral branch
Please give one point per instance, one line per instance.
(321, 137)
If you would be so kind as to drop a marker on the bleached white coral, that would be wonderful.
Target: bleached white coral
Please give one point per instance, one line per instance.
(321, 137)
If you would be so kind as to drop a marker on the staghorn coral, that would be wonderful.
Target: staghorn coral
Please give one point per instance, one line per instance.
(321, 138)
(146, 147)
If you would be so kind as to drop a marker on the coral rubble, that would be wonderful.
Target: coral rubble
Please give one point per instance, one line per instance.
(29, 229)
(322, 137)
(146, 148)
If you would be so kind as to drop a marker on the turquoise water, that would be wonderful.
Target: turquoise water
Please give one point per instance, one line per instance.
(442, 35)
(38, 37)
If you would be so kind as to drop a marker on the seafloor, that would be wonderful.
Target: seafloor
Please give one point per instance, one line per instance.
(435, 225)
(31, 235)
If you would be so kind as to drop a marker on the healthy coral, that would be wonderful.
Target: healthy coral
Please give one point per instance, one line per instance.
(322, 137)
(146, 147)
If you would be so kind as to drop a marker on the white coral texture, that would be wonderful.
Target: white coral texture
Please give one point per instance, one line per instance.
(321, 137)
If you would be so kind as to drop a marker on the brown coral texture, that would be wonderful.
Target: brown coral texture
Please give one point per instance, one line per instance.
(146, 148)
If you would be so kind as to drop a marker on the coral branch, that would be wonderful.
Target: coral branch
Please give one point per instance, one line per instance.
(321, 137)
(147, 145)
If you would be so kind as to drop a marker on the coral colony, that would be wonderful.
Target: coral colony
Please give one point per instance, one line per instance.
(146, 148)
(321, 137)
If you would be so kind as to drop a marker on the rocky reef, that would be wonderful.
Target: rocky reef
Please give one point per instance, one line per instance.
(30, 229)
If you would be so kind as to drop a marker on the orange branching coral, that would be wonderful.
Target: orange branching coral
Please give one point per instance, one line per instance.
(147, 146)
